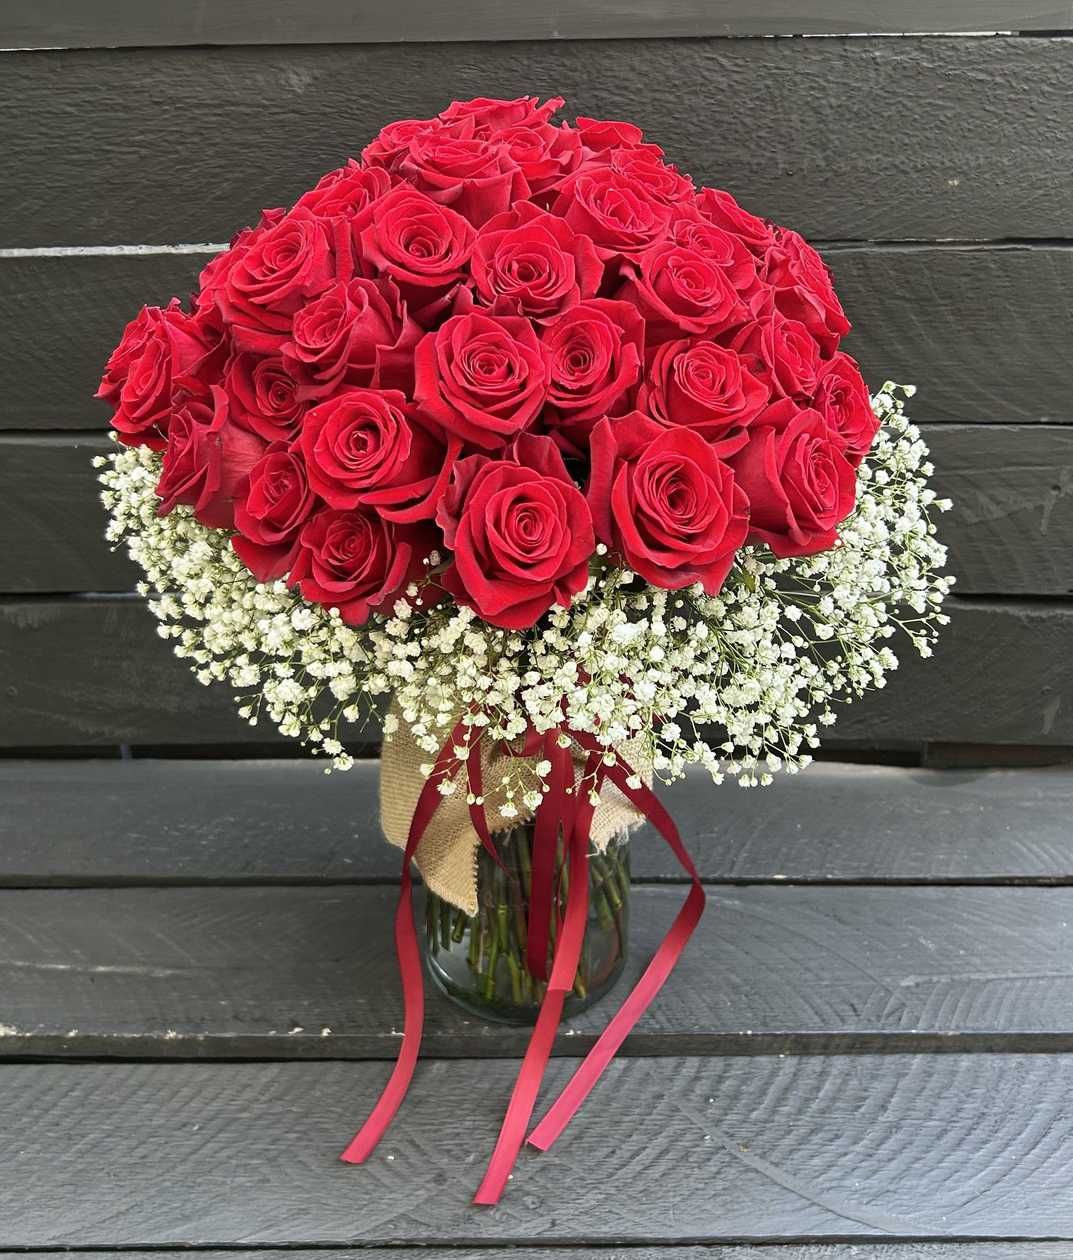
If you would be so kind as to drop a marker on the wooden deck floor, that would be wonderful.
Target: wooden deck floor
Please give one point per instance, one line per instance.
(867, 1050)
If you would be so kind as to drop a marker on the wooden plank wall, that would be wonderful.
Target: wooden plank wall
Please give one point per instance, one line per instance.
(932, 168)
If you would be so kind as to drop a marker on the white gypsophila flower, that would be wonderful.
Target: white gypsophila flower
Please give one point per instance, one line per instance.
(739, 683)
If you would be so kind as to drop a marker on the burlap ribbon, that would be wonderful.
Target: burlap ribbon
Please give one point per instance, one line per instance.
(447, 854)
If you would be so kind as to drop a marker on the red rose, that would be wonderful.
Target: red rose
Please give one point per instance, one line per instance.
(481, 377)
(206, 461)
(159, 353)
(422, 246)
(643, 165)
(270, 510)
(394, 140)
(545, 154)
(354, 334)
(356, 561)
(701, 386)
(264, 396)
(598, 134)
(720, 208)
(274, 277)
(781, 352)
(664, 501)
(476, 178)
(520, 531)
(692, 231)
(619, 215)
(680, 290)
(799, 484)
(802, 289)
(842, 399)
(594, 354)
(369, 446)
(486, 115)
(348, 192)
(534, 263)
(215, 272)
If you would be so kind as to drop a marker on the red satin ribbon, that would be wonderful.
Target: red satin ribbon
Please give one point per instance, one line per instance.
(409, 955)
(569, 807)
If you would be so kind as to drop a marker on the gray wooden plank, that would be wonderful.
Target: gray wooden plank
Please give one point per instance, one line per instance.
(982, 332)
(845, 1148)
(853, 145)
(1022, 1250)
(87, 671)
(131, 24)
(1012, 486)
(51, 518)
(70, 823)
(310, 972)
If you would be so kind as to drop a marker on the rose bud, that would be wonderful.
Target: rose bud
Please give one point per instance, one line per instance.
(481, 377)
(477, 178)
(356, 561)
(520, 532)
(371, 446)
(799, 483)
(206, 460)
(720, 208)
(664, 502)
(269, 512)
(349, 192)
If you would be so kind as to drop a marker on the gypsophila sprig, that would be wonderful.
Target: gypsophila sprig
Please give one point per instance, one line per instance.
(740, 683)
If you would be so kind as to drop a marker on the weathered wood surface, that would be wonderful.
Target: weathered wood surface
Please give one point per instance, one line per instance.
(311, 973)
(1023, 1250)
(73, 823)
(1012, 486)
(853, 145)
(91, 671)
(683, 1150)
(983, 332)
(132, 24)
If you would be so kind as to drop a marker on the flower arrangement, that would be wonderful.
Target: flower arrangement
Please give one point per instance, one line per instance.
(511, 424)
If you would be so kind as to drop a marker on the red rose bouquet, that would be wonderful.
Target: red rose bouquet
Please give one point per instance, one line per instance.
(511, 424)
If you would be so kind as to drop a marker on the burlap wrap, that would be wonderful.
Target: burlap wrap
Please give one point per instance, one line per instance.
(447, 854)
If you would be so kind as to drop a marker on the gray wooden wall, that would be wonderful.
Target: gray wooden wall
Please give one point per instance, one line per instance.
(934, 169)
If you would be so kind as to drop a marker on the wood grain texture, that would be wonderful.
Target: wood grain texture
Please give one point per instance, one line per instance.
(72, 823)
(683, 1150)
(1012, 487)
(92, 671)
(984, 333)
(1023, 1250)
(129, 23)
(51, 518)
(853, 145)
(311, 972)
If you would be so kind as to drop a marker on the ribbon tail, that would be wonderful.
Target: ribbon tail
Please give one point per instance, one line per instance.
(409, 956)
(564, 968)
(663, 961)
(554, 811)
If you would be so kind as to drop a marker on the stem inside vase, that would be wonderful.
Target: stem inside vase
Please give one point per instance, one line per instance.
(480, 961)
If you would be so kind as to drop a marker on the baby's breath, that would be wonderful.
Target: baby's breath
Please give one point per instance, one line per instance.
(740, 683)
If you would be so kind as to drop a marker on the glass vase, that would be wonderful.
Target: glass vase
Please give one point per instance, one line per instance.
(479, 961)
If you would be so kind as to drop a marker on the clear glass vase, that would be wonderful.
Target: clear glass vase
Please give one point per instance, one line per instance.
(480, 961)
